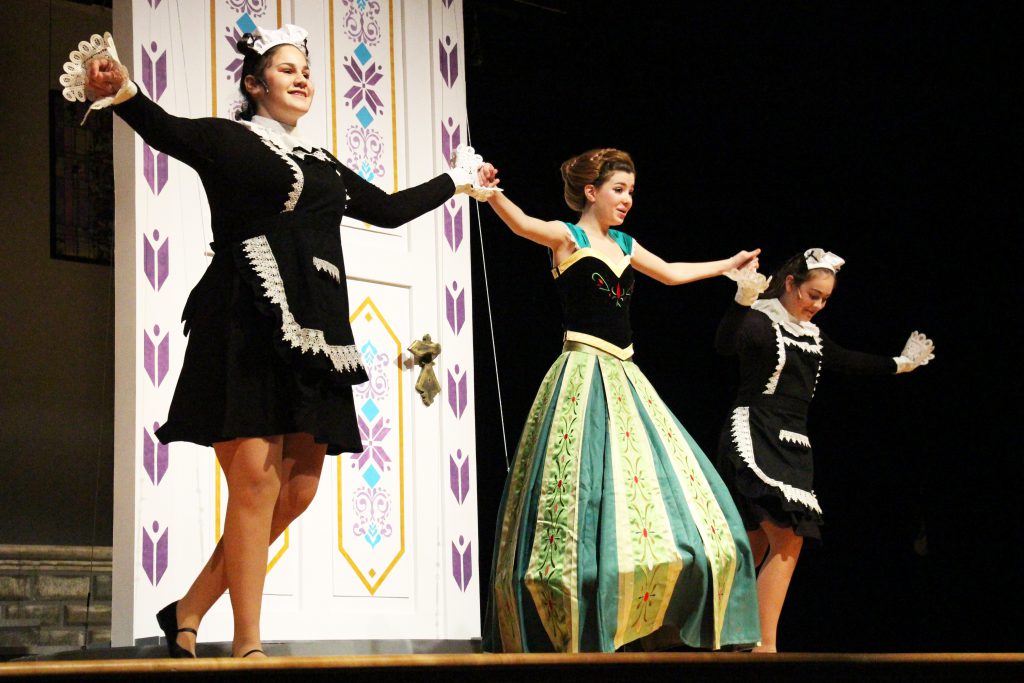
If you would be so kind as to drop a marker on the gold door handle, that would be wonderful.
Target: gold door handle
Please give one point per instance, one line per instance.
(425, 351)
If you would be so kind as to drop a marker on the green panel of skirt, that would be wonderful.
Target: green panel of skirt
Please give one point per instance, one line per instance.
(614, 528)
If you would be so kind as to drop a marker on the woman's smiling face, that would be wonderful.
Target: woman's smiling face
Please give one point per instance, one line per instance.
(286, 92)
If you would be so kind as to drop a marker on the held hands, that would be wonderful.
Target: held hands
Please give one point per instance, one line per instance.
(918, 350)
(743, 260)
(471, 175)
(749, 284)
(743, 271)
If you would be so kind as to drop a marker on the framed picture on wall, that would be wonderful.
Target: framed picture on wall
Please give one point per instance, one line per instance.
(81, 183)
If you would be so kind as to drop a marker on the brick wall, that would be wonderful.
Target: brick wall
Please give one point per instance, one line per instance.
(44, 593)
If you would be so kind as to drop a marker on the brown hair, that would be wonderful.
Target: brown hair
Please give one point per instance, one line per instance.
(593, 167)
(795, 265)
(254, 64)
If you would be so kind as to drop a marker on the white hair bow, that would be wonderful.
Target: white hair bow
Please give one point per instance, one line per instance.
(819, 258)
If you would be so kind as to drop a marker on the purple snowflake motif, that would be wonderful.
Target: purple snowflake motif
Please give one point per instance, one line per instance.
(364, 80)
(372, 436)
(234, 69)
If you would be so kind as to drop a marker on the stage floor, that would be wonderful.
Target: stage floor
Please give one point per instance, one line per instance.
(532, 668)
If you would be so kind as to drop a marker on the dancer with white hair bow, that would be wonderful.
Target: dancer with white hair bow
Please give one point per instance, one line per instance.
(271, 360)
(764, 452)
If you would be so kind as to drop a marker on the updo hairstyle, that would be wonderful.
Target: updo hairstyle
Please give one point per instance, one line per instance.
(593, 167)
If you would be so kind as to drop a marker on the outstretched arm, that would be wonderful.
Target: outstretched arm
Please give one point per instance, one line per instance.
(369, 203)
(551, 234)
(193, 141)
(679, 273)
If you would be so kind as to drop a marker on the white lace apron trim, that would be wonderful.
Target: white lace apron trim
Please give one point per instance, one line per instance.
(803, 346)
(308, 340)
(327, 267)
(773, 381)
(794, 437)
(781, 318)
(745, 446)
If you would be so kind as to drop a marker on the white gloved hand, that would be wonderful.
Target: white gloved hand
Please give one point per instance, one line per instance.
(749, 284)
(918, 350)
(75, 76)
(464, 172)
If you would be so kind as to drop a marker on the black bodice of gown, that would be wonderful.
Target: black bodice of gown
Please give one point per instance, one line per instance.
(595, 292)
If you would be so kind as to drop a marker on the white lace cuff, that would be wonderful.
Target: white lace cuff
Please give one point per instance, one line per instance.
(918, 350)
(74, 77)
(749, 285)
(466, 165)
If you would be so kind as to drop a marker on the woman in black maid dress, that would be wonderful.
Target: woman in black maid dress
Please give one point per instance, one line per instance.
(764, 453)
(271, 360)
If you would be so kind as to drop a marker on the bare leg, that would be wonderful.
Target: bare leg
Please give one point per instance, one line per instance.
(773, 580)
(758, 546)
(301, 464)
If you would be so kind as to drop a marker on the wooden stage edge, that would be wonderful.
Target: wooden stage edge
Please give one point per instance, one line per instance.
(465, 668)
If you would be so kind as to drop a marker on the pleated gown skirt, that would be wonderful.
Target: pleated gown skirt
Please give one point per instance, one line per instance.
(614, 528)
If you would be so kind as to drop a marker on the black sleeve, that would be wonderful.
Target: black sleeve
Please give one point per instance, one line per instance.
(742, 328)
(192, 141)
(837, 359)
(369, 203)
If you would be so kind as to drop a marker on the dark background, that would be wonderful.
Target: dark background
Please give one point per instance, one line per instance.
(883, 132)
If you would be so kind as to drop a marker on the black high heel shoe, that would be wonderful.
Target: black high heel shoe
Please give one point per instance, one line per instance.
(167, 618)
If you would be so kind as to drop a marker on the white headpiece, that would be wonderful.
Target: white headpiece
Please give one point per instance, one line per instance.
(819, 258)
(262, 39)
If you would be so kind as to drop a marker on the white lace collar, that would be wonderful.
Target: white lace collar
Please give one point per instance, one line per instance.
(284, 136)
(774, 309)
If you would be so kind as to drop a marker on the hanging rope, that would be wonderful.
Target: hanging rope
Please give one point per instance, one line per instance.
(483, 261)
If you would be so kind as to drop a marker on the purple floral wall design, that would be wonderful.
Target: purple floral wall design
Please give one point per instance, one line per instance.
(154, 168)
(256, 8)
(462, 563)
(456, 298)
(455, 307)
(154, 71)
(156, 351)
(458, 391)
(451, 138)
(154, 81)
(364, 143)
(155, 552)
(155, 259)
(453, 225)
(154, 455)
(449, 53)
(372, 502)
(458, 475)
